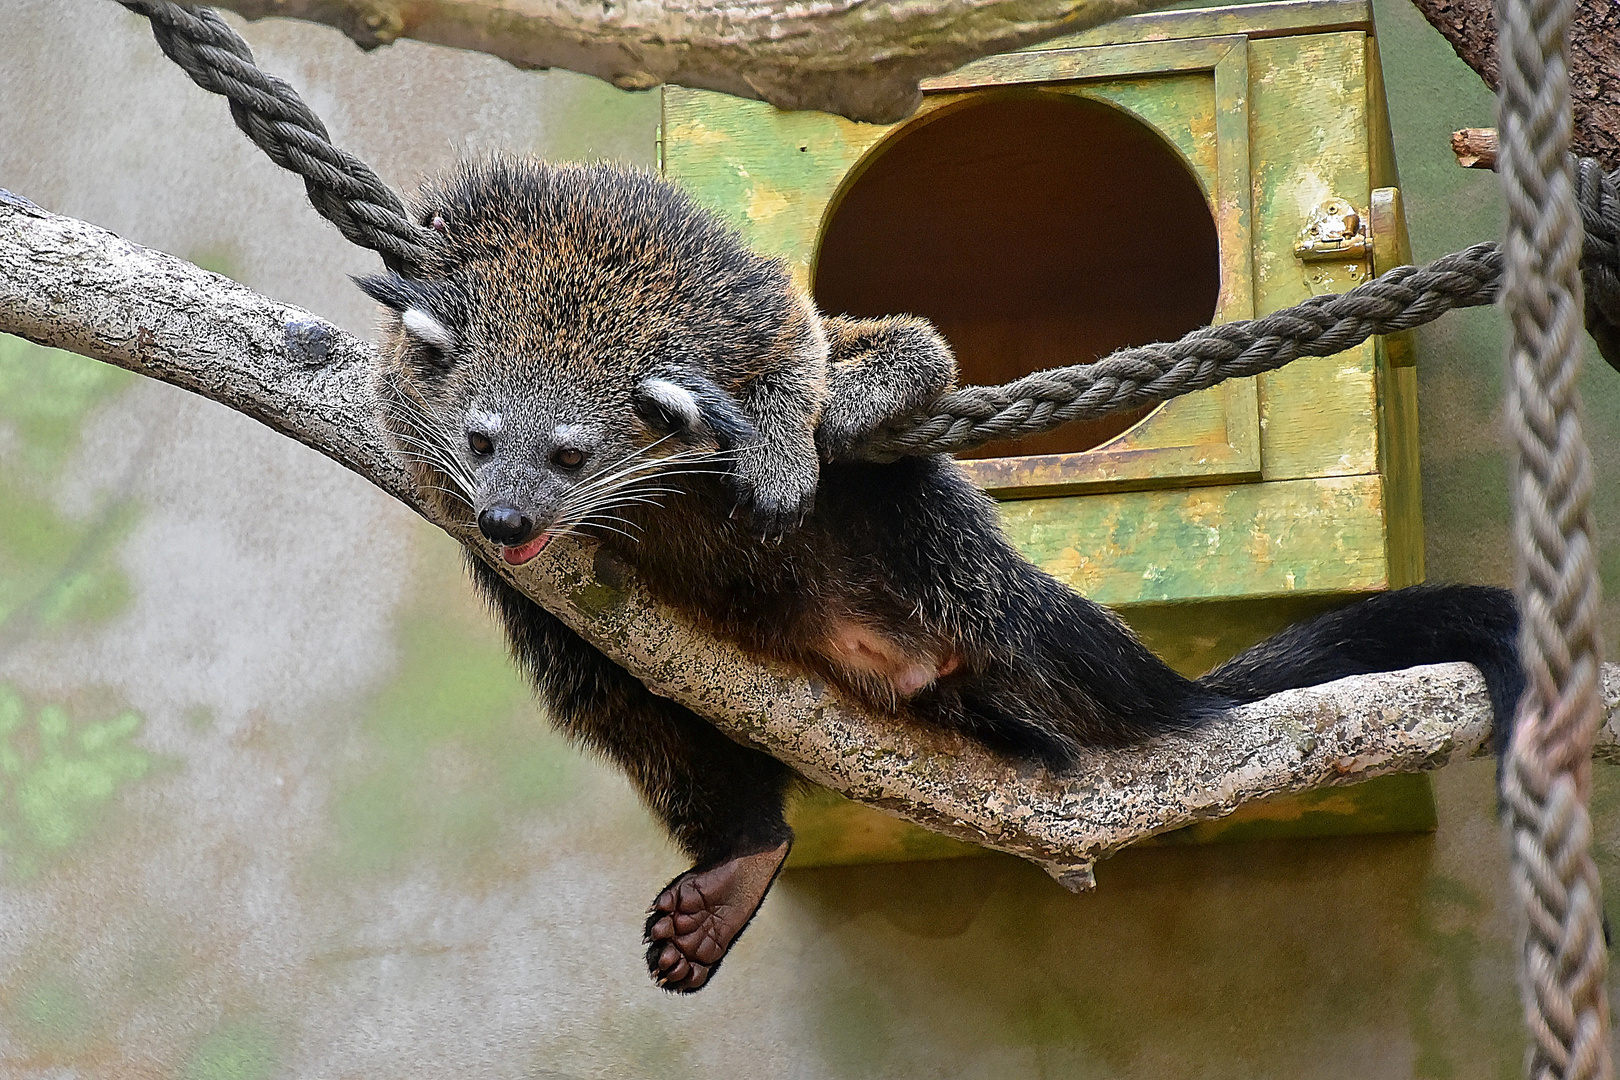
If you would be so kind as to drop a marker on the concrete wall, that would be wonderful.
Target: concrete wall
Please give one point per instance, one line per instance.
(273, 803)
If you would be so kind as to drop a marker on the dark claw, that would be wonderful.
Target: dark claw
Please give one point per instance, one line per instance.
(834, 437)
(769, 514)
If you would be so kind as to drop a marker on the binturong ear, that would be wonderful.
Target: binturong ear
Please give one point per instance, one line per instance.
(685, 403)
(429, 313)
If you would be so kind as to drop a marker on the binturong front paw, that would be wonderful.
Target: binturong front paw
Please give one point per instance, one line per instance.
(881, 370)
(701, 914)
(775, 490)
(847, 421)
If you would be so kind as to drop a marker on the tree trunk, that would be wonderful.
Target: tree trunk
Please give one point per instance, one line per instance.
(859, 59)
(1470, 26)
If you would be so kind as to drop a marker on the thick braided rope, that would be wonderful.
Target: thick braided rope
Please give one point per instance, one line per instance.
(1400, 299)
(1564, 958)
(343, 188)
(1405, 297)
(1563, 963)
(1599, 196)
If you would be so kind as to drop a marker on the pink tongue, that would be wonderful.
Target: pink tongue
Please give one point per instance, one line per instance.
(519, 555)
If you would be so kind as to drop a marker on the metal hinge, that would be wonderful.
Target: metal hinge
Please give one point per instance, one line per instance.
(1334, 248)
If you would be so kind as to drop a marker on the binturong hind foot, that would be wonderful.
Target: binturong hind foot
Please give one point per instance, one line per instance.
(700, 914)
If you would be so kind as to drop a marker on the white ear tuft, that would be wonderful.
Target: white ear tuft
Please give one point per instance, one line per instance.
(428, 330)
(674, 399)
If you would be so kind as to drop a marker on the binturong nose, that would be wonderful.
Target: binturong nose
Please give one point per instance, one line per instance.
(505, 524)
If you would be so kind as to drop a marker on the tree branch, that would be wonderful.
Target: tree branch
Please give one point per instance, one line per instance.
(1475, 147)
(1470, 26)
(858, 59)
(71, 285)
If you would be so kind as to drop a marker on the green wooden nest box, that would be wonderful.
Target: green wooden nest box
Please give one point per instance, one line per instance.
(1112, 188)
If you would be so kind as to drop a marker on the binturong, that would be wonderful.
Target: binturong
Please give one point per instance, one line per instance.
(591, 354)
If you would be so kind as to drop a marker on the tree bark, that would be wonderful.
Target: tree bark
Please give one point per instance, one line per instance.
(1470, 26)
(70, 285)
(859, 59)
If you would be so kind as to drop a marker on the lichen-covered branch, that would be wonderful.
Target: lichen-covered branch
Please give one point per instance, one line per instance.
(71, 285)
(859, 59)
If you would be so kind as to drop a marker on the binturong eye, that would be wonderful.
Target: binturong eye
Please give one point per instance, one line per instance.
(480, 443)
(568, 458)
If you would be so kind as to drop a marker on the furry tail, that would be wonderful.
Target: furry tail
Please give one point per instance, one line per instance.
(1425, 624)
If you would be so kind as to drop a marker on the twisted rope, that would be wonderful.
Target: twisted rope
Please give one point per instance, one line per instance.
(1599, 196)
(342, 188)
(1405, 297)
(1402, 298)
(1563, 960)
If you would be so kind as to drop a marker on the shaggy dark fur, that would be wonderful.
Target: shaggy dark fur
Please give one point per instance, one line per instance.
(592, 353)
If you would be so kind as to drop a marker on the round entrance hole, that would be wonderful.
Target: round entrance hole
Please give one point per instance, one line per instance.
(1034, 230)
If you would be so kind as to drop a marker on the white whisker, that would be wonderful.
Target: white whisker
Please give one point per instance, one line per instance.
(607, 517)
(609, 528)
(427, 435)
(439, 464)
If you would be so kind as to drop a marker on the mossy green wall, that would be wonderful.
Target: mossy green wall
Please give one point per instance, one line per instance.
(273, 803)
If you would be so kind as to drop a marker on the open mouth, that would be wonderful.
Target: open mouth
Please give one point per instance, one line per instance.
(517, 556)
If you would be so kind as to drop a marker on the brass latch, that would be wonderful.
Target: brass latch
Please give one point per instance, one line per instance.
(1334, 247)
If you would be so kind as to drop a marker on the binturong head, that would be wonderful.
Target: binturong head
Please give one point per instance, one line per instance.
(572, 349)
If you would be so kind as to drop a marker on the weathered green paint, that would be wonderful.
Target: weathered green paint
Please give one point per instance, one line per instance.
(830, 830)
(1253, 20)
(1301, 105)
(1145, 547)
(1311, 136)
(1204, 113)
(1396, 354)
(1398, 439)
